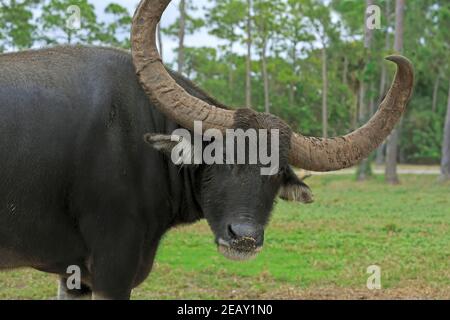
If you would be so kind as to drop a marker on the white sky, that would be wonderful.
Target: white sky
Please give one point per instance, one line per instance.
(200, 39)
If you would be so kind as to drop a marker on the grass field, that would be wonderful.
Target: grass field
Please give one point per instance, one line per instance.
(312, 251)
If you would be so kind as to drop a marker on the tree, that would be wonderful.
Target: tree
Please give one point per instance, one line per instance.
(443, 29)
(319, 17)
(293, 33)
(436, 91)
(69, 21)
(392, 145)
(248, 74)
(183, 26)
(383, 77)
(437, 35)
(181, 34)
(226, 18)
(364, 169)
(17, 29)
(445, 163)
(266, 13)
(426, 43)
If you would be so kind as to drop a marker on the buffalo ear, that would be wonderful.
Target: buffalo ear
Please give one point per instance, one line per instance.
(294, 189)
(175, 147)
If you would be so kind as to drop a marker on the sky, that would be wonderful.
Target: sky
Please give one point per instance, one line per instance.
(200, 39)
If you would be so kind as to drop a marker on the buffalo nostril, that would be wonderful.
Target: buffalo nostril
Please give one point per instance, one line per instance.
(248, 231)
(231, 232)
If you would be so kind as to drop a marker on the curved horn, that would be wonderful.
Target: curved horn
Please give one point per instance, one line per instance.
(317, 154)
(163, 91)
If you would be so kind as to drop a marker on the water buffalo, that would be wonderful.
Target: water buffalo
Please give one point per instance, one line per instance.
(80, 187)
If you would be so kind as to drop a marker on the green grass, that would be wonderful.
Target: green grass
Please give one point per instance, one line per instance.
(320, 250)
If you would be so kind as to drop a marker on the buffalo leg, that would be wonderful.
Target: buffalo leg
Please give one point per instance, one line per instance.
(113, 274)
(114, 263)
(112, 284)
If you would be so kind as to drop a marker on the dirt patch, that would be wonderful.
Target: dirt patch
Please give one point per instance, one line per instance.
(336, 293)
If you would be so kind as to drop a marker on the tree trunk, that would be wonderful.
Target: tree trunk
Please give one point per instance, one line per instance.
(292, 85)
(181, 35)
(391, 156)
(363, 171)
(364, 168)
(230, 72)
(354, 112)
(372, 106)
(383, 79)
(265, 77)
(160, 42)
(445, 163)
(345, 71)
(399, 17)
(248, 80)
(368, 33)
(435, 93)
(324, 92)
(362, 110)
(291, 94)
